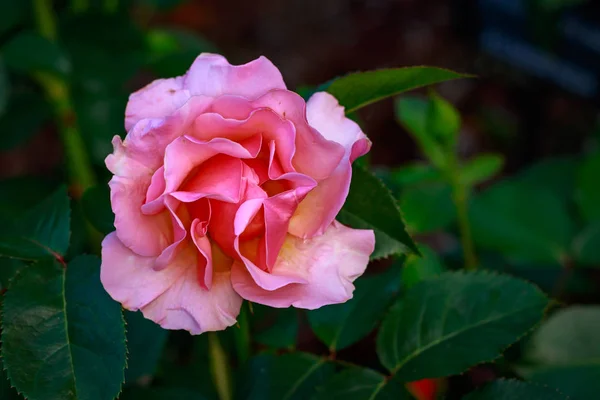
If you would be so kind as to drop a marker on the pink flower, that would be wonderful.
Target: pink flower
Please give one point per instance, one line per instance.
(226, 188)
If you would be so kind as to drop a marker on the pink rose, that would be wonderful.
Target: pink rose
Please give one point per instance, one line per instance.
(226, 188)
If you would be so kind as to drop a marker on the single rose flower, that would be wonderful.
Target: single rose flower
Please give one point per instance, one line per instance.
(226, 188)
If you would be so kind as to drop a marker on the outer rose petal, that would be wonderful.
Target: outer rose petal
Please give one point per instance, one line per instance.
(156, 100)
(143, 150)
(147, 235)
(212, 75)
(322, 204)
(332, 262)
(325, 114)
(171, 297)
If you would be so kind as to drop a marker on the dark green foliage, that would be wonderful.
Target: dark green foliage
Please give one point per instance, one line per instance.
(63, 337)
(43, 231)
(341, 325)
(515, 390)
(457, 320)
(286, 377)
(564, 351)
(370, 205)
(361, 384)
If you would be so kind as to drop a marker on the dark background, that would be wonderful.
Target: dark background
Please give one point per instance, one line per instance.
(520, 106)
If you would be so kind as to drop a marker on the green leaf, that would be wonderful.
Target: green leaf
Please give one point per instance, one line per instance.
(145, 343)
(100, 119)
(24, 117)
(341, 325)
(556, 175)
(445, 325)
(97, 209)
(586, 245)
(63, 337)
(565, 353)
(443, 120)
(29, 52)
(417, 202)
(588, 189)
(293, 376)
(417, 269)
(481, 168)
(42, 231)
(370, 205)
(9, 267)
(12, 13)
(185, 363)
(274, 327)
(412, 113)
(94, 41)
(361, 384)
(7, 392)
(512, 389)
(360, 89)
(416, 173)
(21, 193)
(522, 222)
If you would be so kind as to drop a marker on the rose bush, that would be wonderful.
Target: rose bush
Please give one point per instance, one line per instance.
(226, 188)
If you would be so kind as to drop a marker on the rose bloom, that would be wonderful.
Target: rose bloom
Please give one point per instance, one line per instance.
(226, 188)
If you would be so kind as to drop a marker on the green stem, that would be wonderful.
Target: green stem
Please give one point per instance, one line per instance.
(219, 367)
(46, 22)
(460, 196)
(79, 167)
(57, 90)
(461, 201)
(242, 336)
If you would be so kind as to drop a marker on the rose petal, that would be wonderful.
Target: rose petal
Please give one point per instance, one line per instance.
(223, 220)
(218, 178)
(156, 100)
(325, 114)
(264, 121)
(147, 235)
(185, 153)
(205, 268)
(212, 75)
(171, 297)
(243, 218)
(315, 155)
(143, 150)
(332, 262)
(320, 206)
(179, 234)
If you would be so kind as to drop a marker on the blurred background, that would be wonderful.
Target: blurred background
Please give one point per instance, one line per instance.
(537, 62)
(534, 104)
